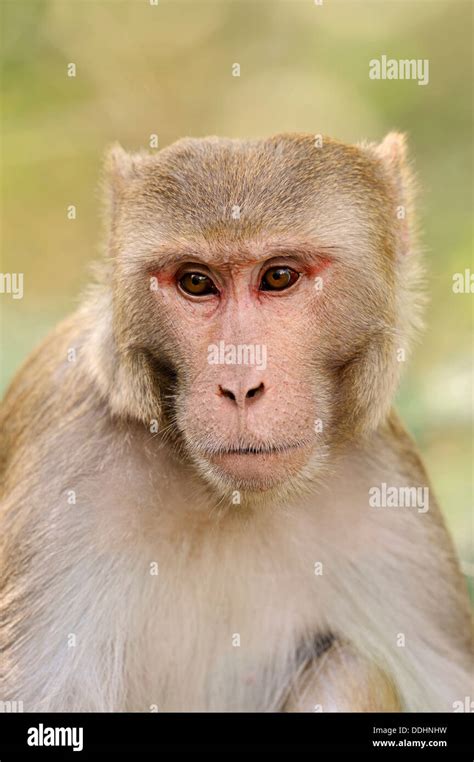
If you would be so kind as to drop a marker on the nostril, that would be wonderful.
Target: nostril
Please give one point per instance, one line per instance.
(256, 391)
(227, 393)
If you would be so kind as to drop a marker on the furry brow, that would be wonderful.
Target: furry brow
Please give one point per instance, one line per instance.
(249, 252)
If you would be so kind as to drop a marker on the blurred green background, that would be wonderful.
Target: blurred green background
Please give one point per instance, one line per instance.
(166, 69)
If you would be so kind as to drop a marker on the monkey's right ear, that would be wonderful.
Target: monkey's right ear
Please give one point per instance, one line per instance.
(119, 169)
(120, 166)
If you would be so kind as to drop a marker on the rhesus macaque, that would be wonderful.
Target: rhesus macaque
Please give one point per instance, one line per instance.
(190, 461)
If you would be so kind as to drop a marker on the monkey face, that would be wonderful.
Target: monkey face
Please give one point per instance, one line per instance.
(249, 405)
(258, 279)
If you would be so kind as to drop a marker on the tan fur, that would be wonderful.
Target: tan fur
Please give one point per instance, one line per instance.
(339, 681)
(168, 640)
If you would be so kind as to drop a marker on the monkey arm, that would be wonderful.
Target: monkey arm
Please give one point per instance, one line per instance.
(341, 681)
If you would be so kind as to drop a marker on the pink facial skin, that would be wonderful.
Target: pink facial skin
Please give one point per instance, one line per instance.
(243, 415)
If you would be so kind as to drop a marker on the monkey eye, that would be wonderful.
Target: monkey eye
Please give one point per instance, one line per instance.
(278, 279)
(197, 284)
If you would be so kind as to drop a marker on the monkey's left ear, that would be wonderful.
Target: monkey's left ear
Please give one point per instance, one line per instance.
(392, 153)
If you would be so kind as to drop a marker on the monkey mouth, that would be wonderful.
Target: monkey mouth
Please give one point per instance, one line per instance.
(257, 466)
(254, 449)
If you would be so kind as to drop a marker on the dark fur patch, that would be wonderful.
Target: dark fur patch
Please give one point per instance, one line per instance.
(314, 648)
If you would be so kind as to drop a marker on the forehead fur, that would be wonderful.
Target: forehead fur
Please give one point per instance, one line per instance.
(286, 184)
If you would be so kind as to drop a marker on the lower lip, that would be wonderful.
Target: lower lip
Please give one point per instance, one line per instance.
(260, 452)
(263, 467)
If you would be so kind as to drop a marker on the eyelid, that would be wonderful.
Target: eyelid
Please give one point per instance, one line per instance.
(197, 267)
(270, 265)
(193, 268)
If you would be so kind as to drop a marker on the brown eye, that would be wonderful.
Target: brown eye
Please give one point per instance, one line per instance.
(278, 278)
(197, 284)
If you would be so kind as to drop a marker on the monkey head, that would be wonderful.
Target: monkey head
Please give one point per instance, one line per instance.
(262, 296)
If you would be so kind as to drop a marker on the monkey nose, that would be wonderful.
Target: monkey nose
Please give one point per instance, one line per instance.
(240, 394)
